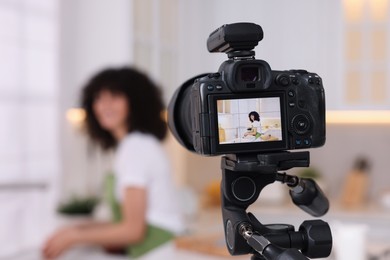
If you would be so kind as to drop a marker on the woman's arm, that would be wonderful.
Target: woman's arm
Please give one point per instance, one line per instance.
(253, 131)
(129, 231)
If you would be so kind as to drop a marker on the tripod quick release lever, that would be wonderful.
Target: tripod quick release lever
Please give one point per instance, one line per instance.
(264, 247)
(306, 194)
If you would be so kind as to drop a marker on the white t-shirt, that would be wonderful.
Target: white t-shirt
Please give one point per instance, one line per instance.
(142, 162)
(257, 125)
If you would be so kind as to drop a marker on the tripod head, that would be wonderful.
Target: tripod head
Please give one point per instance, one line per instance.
(244, 176)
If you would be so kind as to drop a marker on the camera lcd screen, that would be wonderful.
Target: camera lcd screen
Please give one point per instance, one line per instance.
(249, 120)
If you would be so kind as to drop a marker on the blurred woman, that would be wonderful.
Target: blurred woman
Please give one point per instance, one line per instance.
(255, 128)
(124, 111)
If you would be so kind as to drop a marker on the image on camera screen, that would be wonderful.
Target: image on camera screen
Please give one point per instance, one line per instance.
(249, 120)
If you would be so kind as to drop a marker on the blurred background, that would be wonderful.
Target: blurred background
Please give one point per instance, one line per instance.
(49, 48)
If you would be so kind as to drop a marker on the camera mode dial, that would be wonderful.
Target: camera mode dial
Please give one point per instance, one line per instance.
(282, 80)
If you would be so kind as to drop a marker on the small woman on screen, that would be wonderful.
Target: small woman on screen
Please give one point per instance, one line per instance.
(255, 128)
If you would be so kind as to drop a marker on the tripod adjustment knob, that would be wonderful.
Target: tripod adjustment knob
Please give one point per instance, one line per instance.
(318, 238)
(310, 198)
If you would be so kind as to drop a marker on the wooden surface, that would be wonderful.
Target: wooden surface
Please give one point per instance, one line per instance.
(213, 244)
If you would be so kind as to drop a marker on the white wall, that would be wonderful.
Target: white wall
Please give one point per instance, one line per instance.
(94, 35)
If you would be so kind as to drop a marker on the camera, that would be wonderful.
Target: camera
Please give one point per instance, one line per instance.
(246, 107)
(253, 115)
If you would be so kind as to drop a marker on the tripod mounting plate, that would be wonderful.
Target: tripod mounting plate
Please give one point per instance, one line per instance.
(266, 162)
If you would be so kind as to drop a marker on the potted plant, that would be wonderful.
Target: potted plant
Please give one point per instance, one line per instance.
(77, 209)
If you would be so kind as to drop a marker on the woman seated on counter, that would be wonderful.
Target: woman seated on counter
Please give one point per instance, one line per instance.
(255, 126)
(124, 111)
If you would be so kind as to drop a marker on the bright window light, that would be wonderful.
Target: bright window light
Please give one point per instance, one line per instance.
(358, 117)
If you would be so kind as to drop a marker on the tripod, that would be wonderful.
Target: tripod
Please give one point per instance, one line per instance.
(243, 178)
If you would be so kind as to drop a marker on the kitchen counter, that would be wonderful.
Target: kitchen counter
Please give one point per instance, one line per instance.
(168, 251)
(209, 222)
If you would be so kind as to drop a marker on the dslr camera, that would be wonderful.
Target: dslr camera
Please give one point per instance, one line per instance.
(246, 107)
(253, 115)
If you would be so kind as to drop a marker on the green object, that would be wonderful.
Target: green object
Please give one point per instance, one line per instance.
(110, 196)
(78, 206)
(257, 135)
(154, 237)
(310, 172)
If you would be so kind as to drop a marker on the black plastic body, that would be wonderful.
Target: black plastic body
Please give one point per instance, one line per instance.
(302, 99)
(192, 112)
(239, 36)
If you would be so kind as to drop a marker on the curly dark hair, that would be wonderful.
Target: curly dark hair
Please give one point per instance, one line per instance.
(255, 114)
(143, 96)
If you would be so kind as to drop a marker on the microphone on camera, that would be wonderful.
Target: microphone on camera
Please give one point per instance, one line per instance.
(309, 197)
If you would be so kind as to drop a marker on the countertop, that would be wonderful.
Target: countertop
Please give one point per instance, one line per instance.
(209, 222)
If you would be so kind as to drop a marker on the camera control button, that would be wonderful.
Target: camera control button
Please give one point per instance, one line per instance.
(283, 80)
(311, 81)
(295, 81)
(301, 124)
(218, 87)
(302, 72)
(291, 93)
(214, 75)
(210, 87)
(298, 142)
(291, 104)
(307, 142)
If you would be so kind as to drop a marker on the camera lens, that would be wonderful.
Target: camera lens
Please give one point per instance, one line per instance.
(179, 114)
(301, 124)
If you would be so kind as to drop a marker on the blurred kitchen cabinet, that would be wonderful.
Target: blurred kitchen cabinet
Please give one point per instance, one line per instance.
(10, 228)
(25, 218)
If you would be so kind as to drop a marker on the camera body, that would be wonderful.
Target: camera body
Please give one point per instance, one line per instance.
(293, 102)
(246, 107)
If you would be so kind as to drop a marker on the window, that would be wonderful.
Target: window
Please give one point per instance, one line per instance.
(367, 53)
(28, 89)
(155, 40)
(28, 121)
